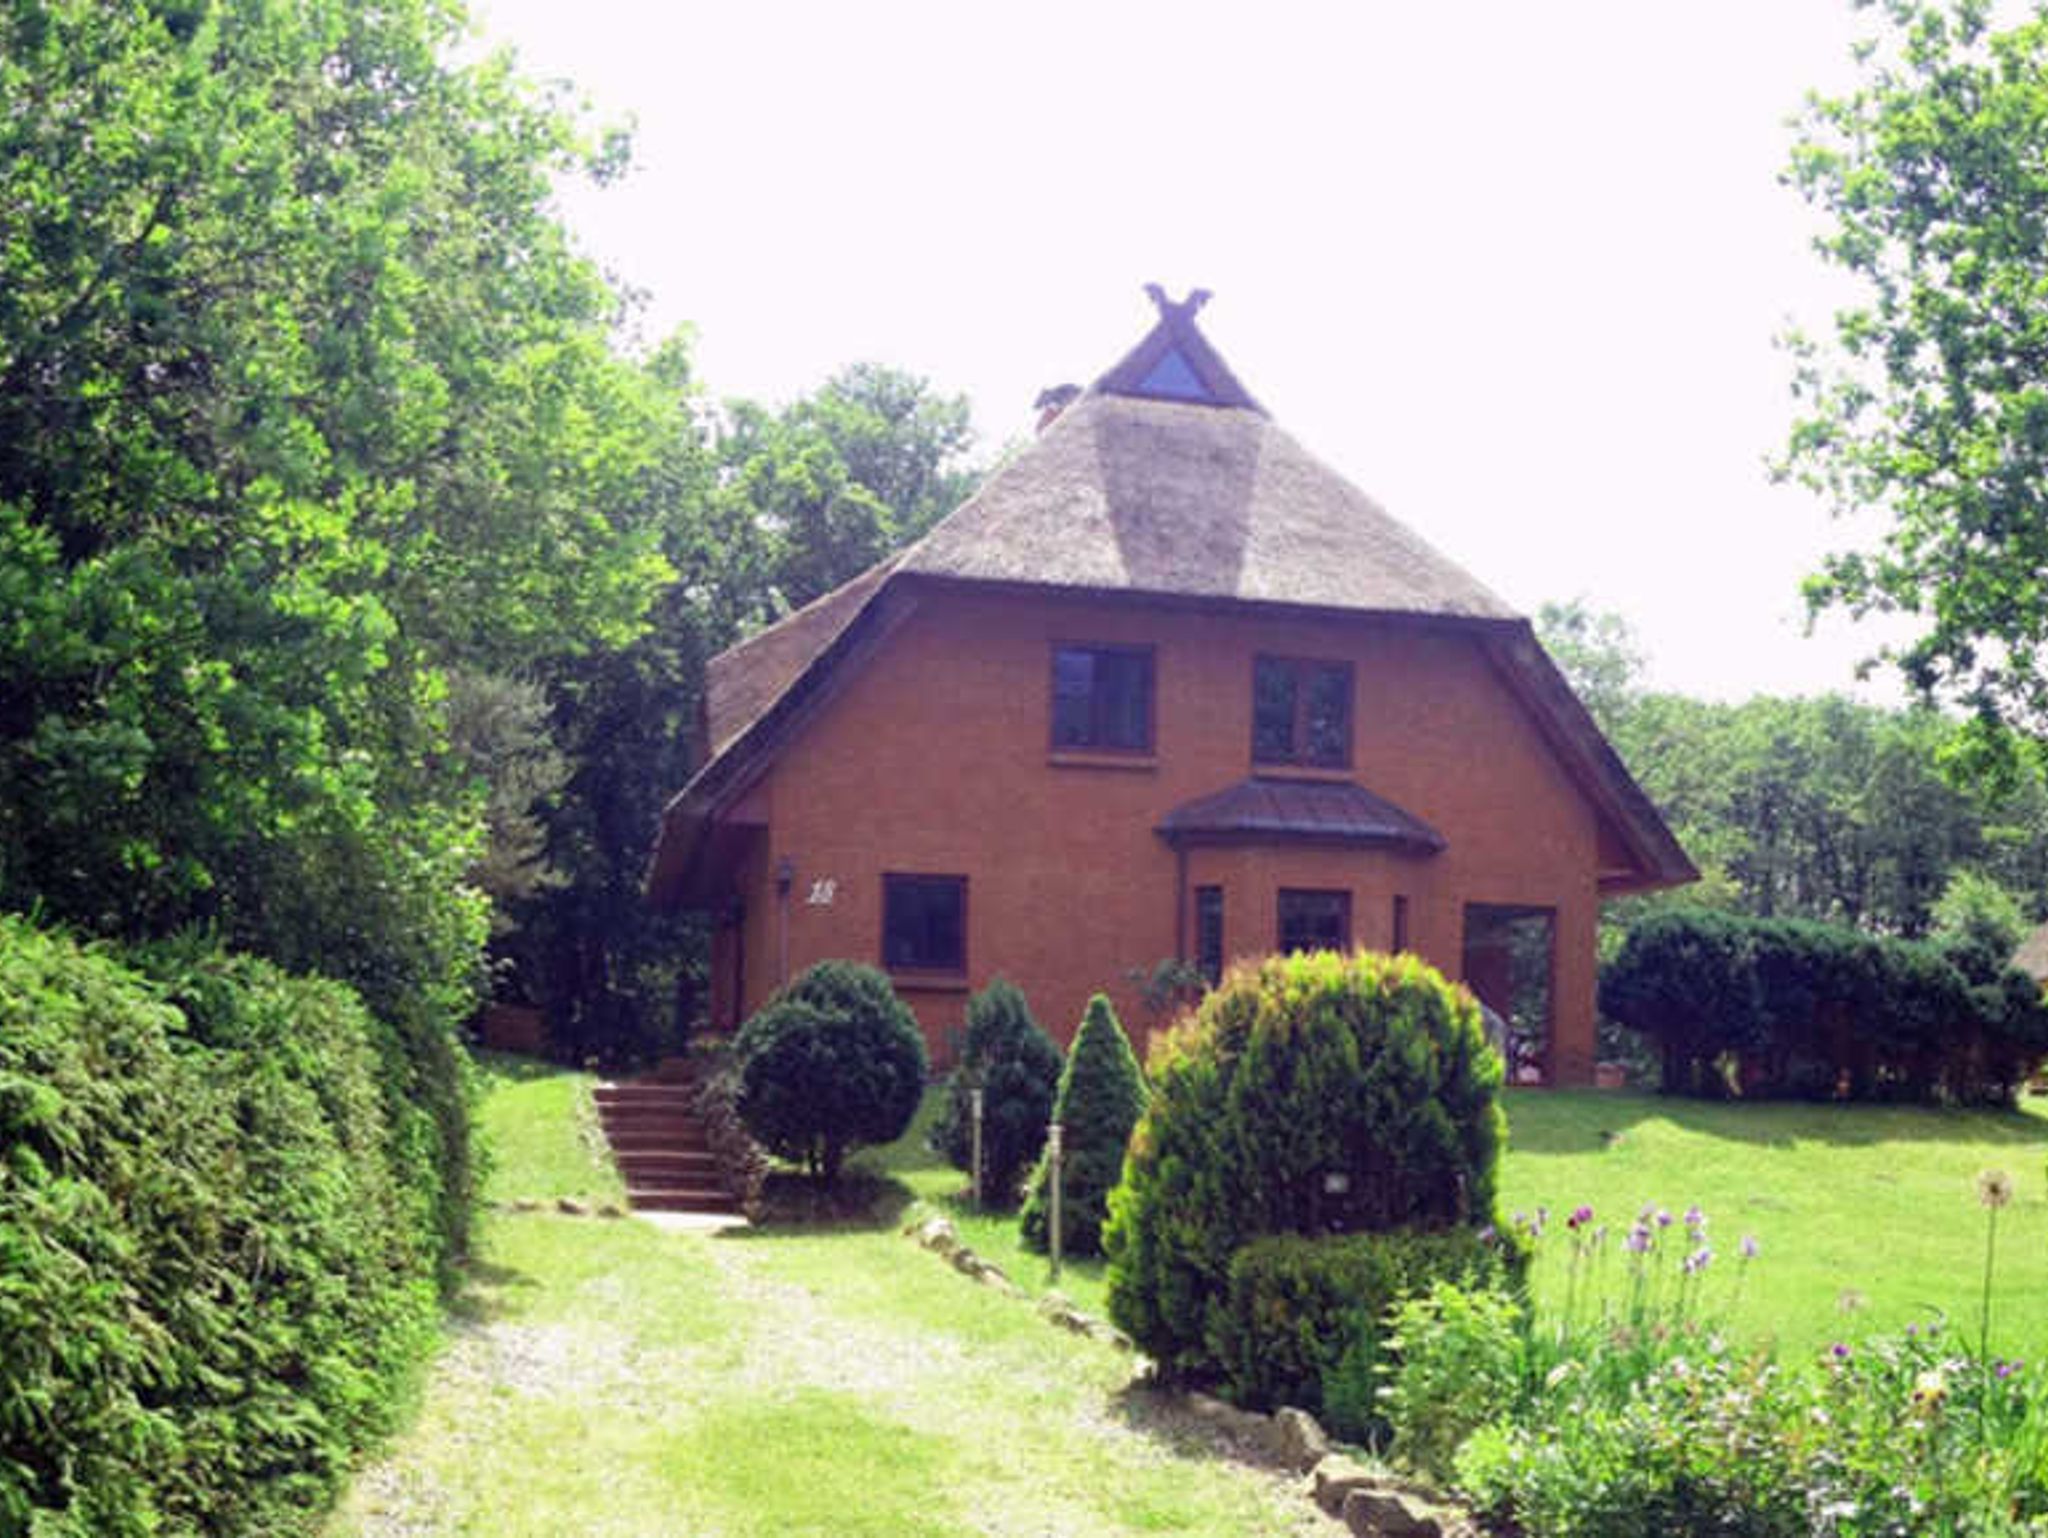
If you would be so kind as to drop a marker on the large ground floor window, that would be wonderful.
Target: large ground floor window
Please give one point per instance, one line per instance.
(1314, 920)
(1509, 953)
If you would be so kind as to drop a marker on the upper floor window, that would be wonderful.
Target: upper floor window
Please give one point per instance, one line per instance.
(1301, 712)
(924, 923)
(1102, 698)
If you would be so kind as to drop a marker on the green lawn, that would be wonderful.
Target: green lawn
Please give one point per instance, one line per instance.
(611, 1377)
(1873, 1205)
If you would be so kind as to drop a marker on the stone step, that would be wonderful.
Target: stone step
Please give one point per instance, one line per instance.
(634, 1162)
(638, 1111)
(682, 1199)
(645, 1094)
(682, 1134)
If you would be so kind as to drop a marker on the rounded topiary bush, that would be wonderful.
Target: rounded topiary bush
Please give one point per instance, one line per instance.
(1101, 1095)
(1017, 1068)
(1309, 1094)
(833, 1062)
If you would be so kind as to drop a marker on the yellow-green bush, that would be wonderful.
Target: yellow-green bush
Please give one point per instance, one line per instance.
(216, 1237)
(1309, 1094)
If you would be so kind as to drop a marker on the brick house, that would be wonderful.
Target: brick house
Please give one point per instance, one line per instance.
(1165, 686)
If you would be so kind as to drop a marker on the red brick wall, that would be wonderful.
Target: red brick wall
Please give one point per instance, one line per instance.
(934, 758)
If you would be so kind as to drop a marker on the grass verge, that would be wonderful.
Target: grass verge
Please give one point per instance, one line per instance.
(616, 1378)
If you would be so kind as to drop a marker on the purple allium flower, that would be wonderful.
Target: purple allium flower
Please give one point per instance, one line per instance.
(1521, 1219)
(1698, 1260)
(1841, 1352)
(1749, 1246)
(1663, 1217)
(1581, 1216)
(1638, 1240)
(1694, 1218)
(1912, 1330)
(1487, 1235)
(2005, 1370)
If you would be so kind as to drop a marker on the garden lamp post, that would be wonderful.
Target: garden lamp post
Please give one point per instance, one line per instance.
(1053, 1160)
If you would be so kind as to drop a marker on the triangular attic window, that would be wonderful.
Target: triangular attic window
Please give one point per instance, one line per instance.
(1174, 378)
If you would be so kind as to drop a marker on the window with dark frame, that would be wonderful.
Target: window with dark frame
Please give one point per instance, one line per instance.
(1400, 924)
(924, 923)
(1314, 920)
(1209, 933)
(1301, 712)
(1102, 698)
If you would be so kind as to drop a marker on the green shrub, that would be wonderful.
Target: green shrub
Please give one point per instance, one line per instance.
(1017, 1068)
(1101, 1094)
(1457, 1358)
(834, 1062)
(1310, 1094)
(1302, 1313)
(215, 1236)
(1780, 1008)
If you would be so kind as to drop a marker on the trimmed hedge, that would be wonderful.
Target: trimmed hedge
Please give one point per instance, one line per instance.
(1101, 1094)
(1017, 1068)
(216, 1235)
(834, 1061)
(1304, 1320)
(1776, 1008)
(1311, 1094)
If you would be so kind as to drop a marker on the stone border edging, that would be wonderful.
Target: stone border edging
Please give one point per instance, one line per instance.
(1371, 1504)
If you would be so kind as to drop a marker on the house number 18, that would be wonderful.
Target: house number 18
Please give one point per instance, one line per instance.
(823, 890)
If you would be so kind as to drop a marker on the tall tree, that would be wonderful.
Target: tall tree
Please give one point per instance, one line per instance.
(1929, 402)
(840, 478)
(304, 400)
(1598, 653)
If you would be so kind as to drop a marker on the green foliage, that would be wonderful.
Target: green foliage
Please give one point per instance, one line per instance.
(1891, 1435)
(1301, 1315)
(1101, 1095)
(1597, 652)
(1017, 1068)
(216, 1228)
(1927, 403)
(1458, 1357)
(1811, 1010)
(839, 479)
(833, 1062)
(306, 408)
(1309, 1094)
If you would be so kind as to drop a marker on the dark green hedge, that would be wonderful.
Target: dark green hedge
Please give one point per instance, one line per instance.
(1797, 1009)
(218, 1239)
(1305, 1319)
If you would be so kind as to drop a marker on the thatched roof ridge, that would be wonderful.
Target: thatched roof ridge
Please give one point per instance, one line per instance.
(1129, 494)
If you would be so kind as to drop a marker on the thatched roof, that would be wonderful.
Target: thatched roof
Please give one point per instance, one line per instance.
(1164, 480)
(1265, 809)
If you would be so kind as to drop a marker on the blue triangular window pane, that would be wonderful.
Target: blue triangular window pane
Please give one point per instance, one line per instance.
(1173, 378)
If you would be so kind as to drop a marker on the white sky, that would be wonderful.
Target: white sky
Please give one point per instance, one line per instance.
(1513, 268)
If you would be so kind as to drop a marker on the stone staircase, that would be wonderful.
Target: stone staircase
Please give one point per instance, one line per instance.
(660, 1148)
